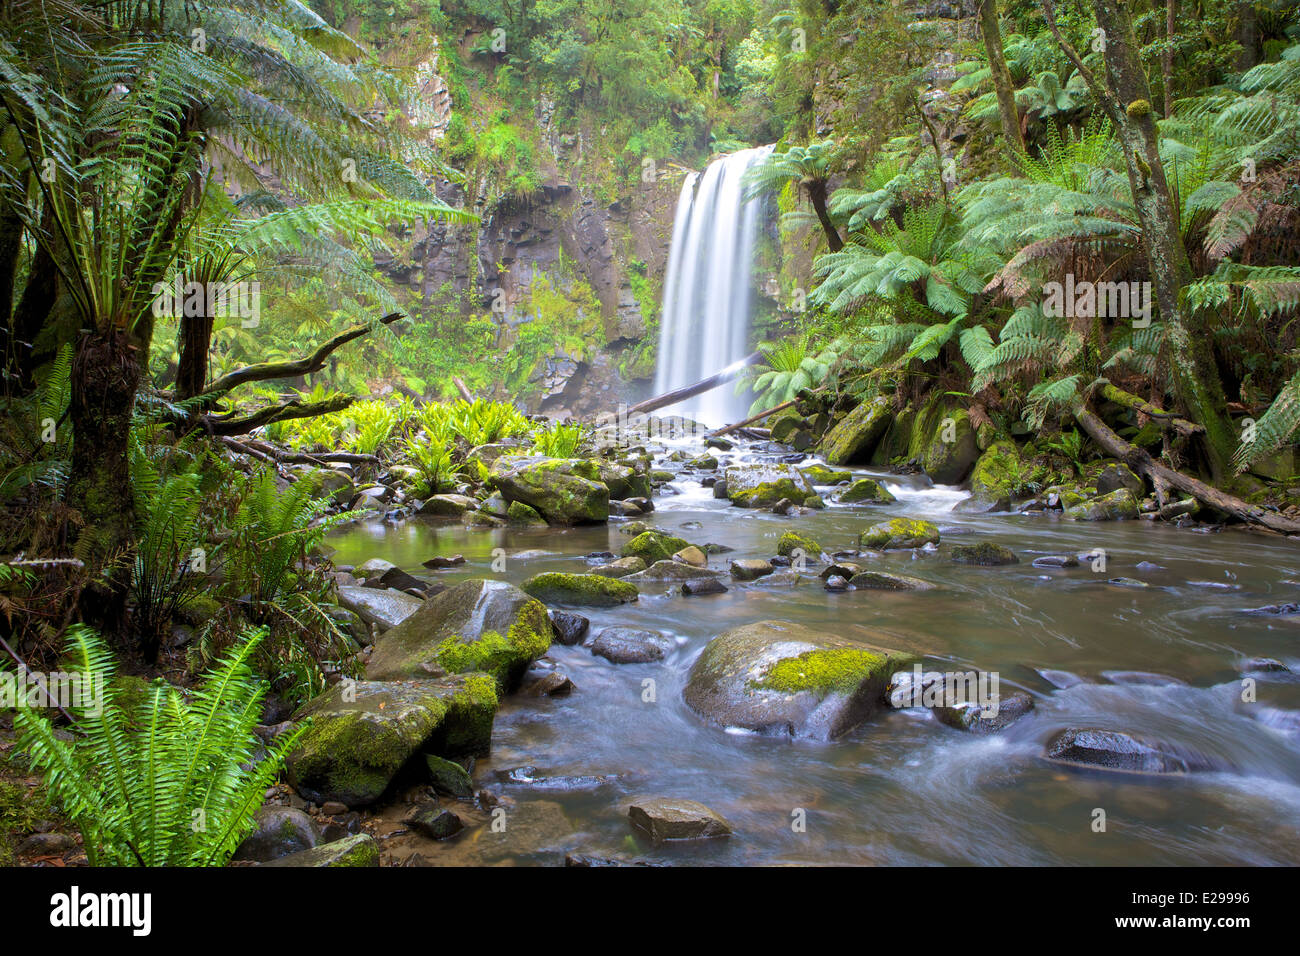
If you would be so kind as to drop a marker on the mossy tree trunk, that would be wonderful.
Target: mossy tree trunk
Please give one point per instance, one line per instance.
(1001, 74)
(1126, 97)
(817, 189)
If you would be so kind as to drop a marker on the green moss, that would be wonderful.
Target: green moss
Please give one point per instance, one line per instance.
(867, 489)
(767, 493)
(900, 533)
(834, 670)
(856, 436)
(821, 475)
(790, 542)
(503, 657)
(594, 590)
(1139, 108)
(652, 546)
(520, 513)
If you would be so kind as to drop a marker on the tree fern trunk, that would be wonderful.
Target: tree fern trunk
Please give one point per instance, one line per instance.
(192, 366)
(106, 371)
(817, 196)
(1195, 375)
(1001, 74)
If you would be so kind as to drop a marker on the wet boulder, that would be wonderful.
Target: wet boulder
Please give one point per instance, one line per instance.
(747, 569)
(1117, 506)
(384, 608)
(868, 490)
(671, 572)
(979, 718)
(672, 818)
(776, 677)
(793, 544)
(477, 625)
(1117, 475)
(563, 491)
(569, 628)
(986, 554)
(762, 486)
(653, 545)
(884, 581)
(279, 831)
(1114, 750)
(589, 590)
(855, 436)
(821, 475)
(627, 645)
(358, 850)
(362, 733)
(899, 534)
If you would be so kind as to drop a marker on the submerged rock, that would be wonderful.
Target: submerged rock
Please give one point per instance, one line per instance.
(783, 678)
(591, 590)
(478, 625)
(627, 645)
(985, 554)
(899, 533)
(1056, 561)
(1113, 750)
(672, 818)
(761, 486)
(364, 732)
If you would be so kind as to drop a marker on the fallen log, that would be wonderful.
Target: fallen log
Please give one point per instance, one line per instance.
(687, 391)
(1163, 418)
(465, 393)
(1161, 477)
(750, 420)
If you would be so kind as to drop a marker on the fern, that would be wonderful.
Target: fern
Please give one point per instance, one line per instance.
(169, 781)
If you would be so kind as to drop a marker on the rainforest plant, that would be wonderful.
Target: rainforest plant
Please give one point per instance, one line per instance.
(165, 780)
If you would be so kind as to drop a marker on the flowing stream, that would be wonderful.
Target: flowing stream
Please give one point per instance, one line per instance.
(707, 294)
(903, 788)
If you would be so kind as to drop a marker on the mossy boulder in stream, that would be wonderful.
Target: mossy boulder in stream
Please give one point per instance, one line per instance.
(855, 437)
(791, 542)
(776, 677)
(591, 590)
(652, 546)
(563, 491)
(943, 441)
(761, 486)
(821, 475)
(1117, 506)
(363, 733)
(997, 477)
(477, 625)
(899, 533)
(867, 489)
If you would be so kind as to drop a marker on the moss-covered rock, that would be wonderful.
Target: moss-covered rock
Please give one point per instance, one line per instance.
(821, 475)
(519, 513)
(477, 625)
(1116, 475)
(854, 438)
(999, 473)
(589, 590)
(943, 441)
(620, 568)
(563, 491)
(867, 489)
(360, 850)
(883, 581)
(899, 533)
(791, 542)
(782, 678)
(362, 733)
(1117, 506)
(761, 486)
(652, 546)
(985, 554)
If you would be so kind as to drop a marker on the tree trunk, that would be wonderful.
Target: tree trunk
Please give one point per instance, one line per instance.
(1247, 34)
(11, 231)
(1195, 375)
(1002, 83)
(192, 367)
(1167, 61)
(30, 315)
(106, 371)
(817, 196)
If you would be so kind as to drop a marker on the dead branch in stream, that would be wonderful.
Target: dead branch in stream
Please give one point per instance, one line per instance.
(686, 391)
(267, 452)
(1162, 477)
(750, 420)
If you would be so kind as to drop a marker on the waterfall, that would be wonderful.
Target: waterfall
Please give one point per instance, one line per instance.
(707, 290)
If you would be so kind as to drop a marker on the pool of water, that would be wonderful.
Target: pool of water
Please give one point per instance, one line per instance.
(903, 788)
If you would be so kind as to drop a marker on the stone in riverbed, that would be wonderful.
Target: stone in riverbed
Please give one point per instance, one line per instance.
(478, 625)
(693, 556)
(652, 546)
(383, 608)
(1114, 750)
(985, 554)
(364, 732)
(883, 581)
(898, 534)
(569, 628)
(777, 677)
(672, 818)
(855, 437)
(703, 586)
(449, 777)
(448, 506)
(590, 590)
(1117, 506)
(627, 645)
(761, 486)
(374, 568)
(1056, 561)
(747, 569)
(441, 563)
(563, 491)
(821, 475)
(1116, 476)
(866, 489)
(279, 831)
(434, 823)
(359, 850)
(791, 542)
(620, 568)
(662, 571)
(971, 716)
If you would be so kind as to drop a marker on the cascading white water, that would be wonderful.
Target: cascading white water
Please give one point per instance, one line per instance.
(705, 323)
